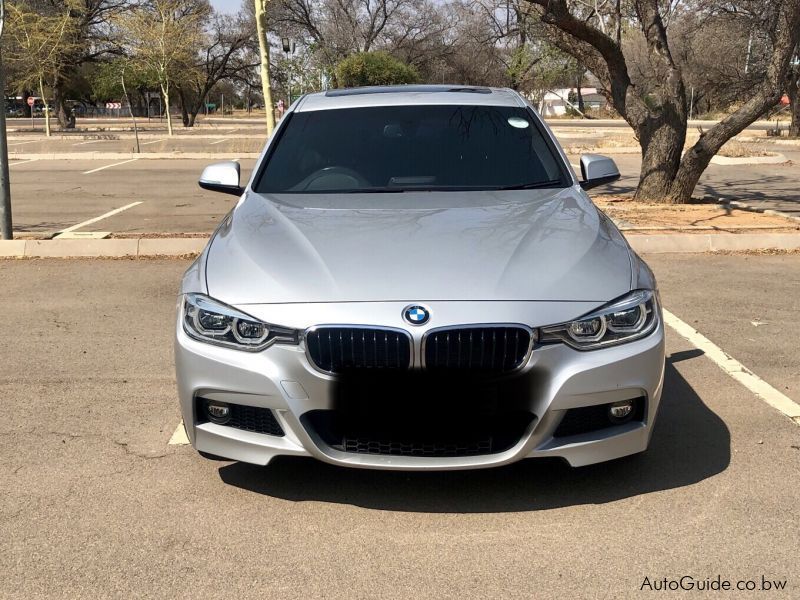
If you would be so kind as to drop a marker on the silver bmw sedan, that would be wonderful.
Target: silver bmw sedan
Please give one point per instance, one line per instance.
(414, 278)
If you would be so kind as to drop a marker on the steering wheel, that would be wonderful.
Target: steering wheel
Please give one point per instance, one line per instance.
(332, 178)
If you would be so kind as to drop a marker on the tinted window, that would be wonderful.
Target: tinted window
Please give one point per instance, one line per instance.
(394, 148)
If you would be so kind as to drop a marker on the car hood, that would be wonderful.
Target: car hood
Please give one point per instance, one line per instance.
(417, 247)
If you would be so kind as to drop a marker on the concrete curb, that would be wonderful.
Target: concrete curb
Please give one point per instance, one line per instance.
(758, 209)
(111, 136)
(710, 242)
(574, 150)
(129, 155)
(144, 247)
(775, 159)
(109, 248)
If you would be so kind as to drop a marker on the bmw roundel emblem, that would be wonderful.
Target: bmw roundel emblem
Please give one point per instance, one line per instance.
(416, 315)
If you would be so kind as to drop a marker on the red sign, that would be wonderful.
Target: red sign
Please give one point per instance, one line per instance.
(31, 100)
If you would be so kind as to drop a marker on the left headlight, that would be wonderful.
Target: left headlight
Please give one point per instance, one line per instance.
(207, 320)
(629, 318)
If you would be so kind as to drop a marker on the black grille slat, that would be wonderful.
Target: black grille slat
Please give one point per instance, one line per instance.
(254, 418)
(497, 348)
(393, 447)
(247, 418)
(337, 349)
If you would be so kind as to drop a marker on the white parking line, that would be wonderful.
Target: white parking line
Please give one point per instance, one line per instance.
(152, 142)
(179, 438)
(20, 143)
(22, 162)
(218, 141)
(736, 369)
(109, 166)
(110, 213)
(90, 142)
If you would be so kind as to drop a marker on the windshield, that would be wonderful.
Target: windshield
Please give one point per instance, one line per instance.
(407, 148)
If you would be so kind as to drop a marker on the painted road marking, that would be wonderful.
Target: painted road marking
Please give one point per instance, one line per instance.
(90, 142)
(179, 438)
(110, 213)
(735, 369)
(20, 143)
(218, 141)
(22, 162)
(152, 142)
(109, 166)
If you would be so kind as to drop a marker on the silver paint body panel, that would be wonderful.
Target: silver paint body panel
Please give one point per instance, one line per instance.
(535, 257)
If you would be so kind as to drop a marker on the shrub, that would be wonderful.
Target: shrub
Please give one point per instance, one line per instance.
(374, 68)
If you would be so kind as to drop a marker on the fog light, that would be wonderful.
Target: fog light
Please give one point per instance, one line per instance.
(218, 412)
(619, 412)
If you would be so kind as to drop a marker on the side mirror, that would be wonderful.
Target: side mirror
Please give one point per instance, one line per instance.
(222, 177)
(597, 170)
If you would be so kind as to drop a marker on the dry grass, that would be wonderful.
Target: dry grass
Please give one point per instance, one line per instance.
(245, 145)
(734, 149)
(699, 215)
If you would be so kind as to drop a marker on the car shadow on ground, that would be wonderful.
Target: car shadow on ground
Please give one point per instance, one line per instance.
(690, 443)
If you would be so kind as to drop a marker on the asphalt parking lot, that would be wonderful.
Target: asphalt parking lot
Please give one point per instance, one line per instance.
(51, 195)
(96, 503)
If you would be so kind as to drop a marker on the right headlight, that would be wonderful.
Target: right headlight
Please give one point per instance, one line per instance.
(208, 320)
(629, 318)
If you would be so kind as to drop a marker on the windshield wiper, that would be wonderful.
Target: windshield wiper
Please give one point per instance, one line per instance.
(532, 185)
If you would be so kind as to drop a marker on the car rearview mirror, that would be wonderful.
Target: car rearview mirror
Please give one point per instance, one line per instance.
(597, 170)
(222, 177)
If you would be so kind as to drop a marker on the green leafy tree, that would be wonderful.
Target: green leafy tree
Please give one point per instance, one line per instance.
(106, 79)
(374, 68)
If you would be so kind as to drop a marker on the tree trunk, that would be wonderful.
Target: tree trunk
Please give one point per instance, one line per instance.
(165, 93)
(579, 93)
(184, 109)
(662, 142)
(60, 102)
(46, 109)
(794, 102)
(263, 46)
(130, 111)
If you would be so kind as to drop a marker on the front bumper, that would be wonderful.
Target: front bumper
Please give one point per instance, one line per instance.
(282, 379)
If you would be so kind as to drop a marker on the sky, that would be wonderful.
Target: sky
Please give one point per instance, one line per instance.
(227, 6)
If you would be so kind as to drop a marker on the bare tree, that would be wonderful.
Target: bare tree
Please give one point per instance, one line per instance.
(338, 28)
(659, 117)
(223, 54)
(88, 38)
(36, 41)
(163, 36)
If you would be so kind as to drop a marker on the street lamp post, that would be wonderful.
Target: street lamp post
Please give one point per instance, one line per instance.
(6, 231)
(288, 49)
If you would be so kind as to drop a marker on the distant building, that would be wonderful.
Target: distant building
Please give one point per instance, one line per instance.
(556, 102)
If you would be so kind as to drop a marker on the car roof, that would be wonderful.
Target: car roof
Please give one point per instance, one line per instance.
(404, 95)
